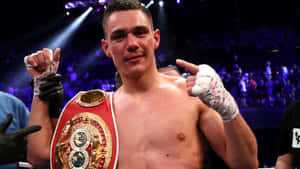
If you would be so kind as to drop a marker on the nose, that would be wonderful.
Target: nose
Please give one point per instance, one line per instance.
(132, 43)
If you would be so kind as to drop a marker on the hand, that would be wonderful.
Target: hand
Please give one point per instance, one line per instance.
(13, 145)
(42, 61)
(207, 85)
(41, 64)
(51, 89)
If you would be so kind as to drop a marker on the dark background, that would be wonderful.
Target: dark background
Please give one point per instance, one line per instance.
(208, 31)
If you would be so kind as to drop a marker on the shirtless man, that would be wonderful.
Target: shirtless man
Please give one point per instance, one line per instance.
(160, 121)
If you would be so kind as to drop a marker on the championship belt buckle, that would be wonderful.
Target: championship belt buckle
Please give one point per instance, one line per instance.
(91, 98)
(86, 134)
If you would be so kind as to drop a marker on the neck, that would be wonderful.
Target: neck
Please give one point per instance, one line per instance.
(142, 83)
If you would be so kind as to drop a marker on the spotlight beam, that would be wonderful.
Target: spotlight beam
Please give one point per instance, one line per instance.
(64, 35)
(150, 3)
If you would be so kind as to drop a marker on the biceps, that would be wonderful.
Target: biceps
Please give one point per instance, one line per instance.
(212, 127)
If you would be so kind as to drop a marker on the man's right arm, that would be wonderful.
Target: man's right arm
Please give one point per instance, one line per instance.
(38, 146)
(285, 161)
(39, 66)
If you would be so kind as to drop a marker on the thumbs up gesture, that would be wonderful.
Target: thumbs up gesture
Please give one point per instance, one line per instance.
(207, 85)
(41, 64)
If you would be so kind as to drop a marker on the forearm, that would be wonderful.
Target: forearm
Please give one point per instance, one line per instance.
(39, 143)
(241, 145)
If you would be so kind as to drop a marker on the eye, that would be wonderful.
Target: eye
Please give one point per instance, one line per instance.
(118, 35)
(140, 32)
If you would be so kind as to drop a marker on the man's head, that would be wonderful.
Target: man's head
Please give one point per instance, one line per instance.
(124, 5)
(130, 39)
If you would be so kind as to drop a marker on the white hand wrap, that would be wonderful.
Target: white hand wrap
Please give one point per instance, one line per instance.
(52, 68)
(209, 88)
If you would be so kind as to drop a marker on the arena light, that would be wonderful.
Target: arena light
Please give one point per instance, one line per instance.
(83, 4)
(102, 2)
(150, 3)
(65, 34)
(70, 5)
(161, 3)
(178, 1)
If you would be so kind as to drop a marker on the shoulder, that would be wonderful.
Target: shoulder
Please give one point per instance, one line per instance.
(5, 97)
(12, 103)
(176, 81)
(178, 84)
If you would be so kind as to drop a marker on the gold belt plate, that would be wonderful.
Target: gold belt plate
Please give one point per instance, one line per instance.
(85, 142)
(91, 98)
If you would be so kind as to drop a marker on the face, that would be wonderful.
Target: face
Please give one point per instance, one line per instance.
(130, 41)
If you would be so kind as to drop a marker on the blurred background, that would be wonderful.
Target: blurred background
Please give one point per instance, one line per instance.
(252, 44)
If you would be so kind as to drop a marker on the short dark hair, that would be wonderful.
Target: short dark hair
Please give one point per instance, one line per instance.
(124, 5)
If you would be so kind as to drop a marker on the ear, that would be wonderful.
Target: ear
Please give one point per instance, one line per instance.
(156, 38)
(105, 47)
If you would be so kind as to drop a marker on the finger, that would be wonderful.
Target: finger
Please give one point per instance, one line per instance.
(29, 59)
(190, 83)
(188, 66)
(48, 54)
(38, 58)
(4, 125)
(191, 78)
(27, 130)
(56, 55)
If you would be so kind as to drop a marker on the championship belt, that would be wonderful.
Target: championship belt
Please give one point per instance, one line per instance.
(86, 135)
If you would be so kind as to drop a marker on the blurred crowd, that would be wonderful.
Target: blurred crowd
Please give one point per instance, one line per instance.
(267, 86)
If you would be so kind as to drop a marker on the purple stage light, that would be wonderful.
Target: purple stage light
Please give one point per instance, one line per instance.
(73, 77)
(98, 10)
(80, 3)
(178, 1)
(70, 69)
(87, 74)
(102, 2)
(11, 90)
(70, 5)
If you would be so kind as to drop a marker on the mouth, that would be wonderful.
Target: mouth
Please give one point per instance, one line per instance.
(134, 58)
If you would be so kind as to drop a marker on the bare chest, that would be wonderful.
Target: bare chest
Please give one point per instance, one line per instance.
(159, 130)
(157, 120)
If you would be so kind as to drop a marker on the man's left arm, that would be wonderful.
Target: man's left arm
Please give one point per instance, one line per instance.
(222, 123)
(241, 144)
(234, 142)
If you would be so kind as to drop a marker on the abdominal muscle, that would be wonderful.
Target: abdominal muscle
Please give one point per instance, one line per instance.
(157, 154)
(158, 160)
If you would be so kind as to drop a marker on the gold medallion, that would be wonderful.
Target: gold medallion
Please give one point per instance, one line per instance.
(85, 142)
(91, 98)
